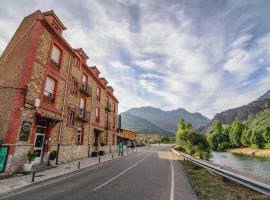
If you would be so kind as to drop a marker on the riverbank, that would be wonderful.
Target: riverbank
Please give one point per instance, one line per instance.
(209, 186)
(265, 153)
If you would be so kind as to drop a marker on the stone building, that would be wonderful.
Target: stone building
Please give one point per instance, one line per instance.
(50, 99)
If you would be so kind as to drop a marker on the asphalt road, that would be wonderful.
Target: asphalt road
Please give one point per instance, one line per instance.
(150, 175)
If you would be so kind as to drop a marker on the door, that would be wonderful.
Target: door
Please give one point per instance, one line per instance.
(39, 141)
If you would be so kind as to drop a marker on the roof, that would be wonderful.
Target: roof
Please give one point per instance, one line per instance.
(83, 52)
(51, 12)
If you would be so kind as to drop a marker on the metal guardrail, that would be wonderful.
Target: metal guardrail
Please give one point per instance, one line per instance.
(248, 182)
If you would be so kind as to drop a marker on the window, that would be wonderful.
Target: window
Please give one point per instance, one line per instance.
(106, 120)
(55, 57)
(98, 93)
(55, 27)
(113, 122)
(84, 82)
(77, 61)
(97, 114)
(107, 102)
(114, 107)
(82, 107)
(74, 89)
(71, 117)
(79, 135)
(49, 89)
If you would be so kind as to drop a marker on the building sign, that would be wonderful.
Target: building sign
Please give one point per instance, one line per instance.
(25, 130)
(3, 158)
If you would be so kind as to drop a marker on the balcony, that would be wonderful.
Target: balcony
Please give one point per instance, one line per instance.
(85, 90)
(48, 97)
(108, 126)
(83, 115)
(108, 108)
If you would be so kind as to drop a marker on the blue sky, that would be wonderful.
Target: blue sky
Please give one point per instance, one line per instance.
(201, 55)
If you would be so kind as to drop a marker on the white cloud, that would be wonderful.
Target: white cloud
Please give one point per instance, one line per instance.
(145, 64)
(151, 76)
(203, 60)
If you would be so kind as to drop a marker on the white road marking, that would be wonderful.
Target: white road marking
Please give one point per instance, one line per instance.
(56, 179)
(172, 183)
(115, 177)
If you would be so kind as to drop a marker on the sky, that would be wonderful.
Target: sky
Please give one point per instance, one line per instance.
(201, 55)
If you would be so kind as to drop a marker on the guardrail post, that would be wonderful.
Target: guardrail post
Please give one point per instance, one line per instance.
(33, 176)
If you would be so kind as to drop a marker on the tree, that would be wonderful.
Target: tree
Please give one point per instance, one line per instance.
(182, 124)
(189, 126)
(245, 137)
(257, 139)
(164, 138)
(266, 135)
(218, 138)
(191, 142)
(235, 133)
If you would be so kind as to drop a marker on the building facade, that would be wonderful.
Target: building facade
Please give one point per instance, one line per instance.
(127, 137)
(50, 99)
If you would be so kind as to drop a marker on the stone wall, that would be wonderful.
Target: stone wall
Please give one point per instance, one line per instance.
(72, 152)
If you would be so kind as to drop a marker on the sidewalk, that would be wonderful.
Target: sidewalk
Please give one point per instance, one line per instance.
(20, 181)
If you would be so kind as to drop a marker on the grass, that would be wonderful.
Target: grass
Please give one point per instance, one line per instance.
(209, 186)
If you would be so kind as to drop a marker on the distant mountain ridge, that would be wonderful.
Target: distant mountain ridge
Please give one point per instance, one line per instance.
(141, 125)
(166, 121)
(244, 112)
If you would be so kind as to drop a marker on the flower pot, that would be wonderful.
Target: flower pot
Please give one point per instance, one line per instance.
(52, 162)
(94, 154)
(27, 167)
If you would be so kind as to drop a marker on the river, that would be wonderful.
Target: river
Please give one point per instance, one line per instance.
(250, 164)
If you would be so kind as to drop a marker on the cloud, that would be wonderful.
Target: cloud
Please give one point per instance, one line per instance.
(145, 64)
(203, 56)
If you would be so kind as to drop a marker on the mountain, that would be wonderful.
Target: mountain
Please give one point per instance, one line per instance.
(167, 120)
(265, 96)
(260, 121)
(140, 125)
(244, 112)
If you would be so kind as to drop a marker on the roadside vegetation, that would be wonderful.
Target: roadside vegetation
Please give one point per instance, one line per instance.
(213, 187)
(164, 139)
(253, 133)
(191, 142)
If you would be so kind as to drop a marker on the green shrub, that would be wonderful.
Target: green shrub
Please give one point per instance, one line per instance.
(223, 146)
(267, 145)
(30, 156)
(53, 155)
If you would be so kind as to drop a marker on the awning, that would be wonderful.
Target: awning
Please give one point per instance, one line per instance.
(49, 118)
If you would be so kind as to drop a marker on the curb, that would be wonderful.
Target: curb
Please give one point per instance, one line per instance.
(94, 166)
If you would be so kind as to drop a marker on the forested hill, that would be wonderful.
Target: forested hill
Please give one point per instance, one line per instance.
(243, 112)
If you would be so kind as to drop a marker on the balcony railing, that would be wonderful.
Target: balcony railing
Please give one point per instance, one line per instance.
(85, 89)
(108, 108)
(83, 115)
(48, 97)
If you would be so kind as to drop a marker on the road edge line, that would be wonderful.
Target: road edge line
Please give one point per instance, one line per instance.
(172, 179)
